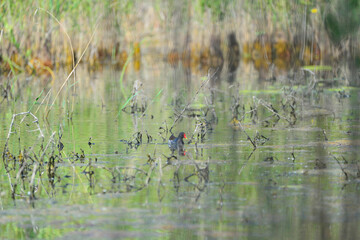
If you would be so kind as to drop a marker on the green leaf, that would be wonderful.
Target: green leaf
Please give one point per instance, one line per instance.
(318, 68)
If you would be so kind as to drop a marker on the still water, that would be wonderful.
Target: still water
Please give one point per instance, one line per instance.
(114, 177)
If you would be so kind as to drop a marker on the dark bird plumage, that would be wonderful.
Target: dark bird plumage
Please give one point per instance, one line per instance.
(177, 143)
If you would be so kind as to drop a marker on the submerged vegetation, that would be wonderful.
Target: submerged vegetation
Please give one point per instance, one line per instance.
(263, 96)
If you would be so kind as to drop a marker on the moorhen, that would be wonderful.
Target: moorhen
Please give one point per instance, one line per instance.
(177, 143)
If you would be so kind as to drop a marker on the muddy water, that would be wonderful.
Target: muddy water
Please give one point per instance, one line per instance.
(291, 185)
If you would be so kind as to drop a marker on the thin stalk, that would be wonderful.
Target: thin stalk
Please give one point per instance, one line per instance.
(71, 47)
(73, 70)
(193, 99)
(123, 73)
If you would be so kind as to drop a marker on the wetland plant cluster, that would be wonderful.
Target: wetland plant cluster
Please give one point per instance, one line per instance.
(37, 164)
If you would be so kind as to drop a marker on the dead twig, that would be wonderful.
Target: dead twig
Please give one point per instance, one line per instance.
(248, 137)
(36, 121)
(46, 147)
(193, 99)
(271, 109)
(341, 167)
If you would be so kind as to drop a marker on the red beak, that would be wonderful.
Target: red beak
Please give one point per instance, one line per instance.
(185, 136)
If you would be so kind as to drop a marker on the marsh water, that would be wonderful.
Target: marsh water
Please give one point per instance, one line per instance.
(116, 177)
(267, 93)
